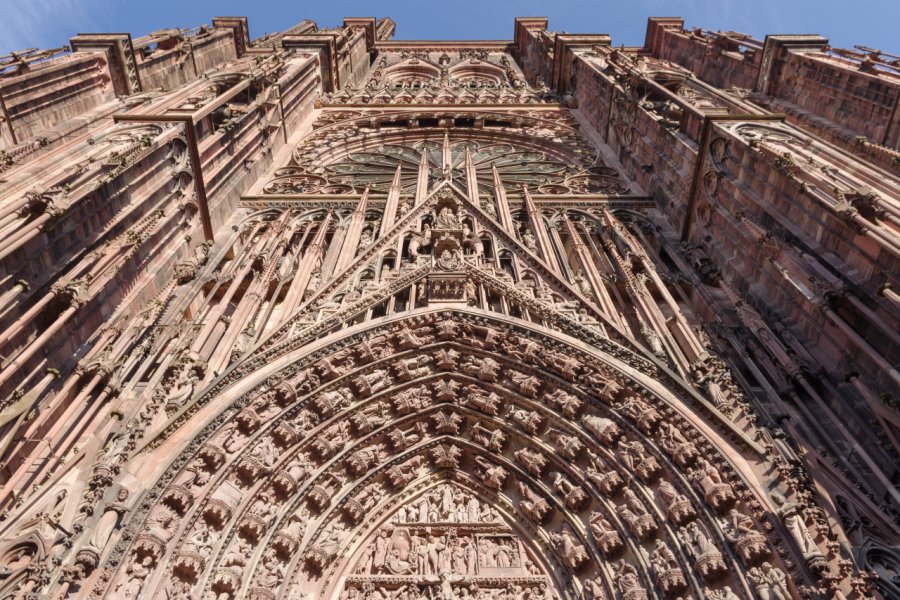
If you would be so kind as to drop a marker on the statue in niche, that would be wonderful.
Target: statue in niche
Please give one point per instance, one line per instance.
(605, 535)
(697, 541)
(400, 475)
(374, 348)
(634, 503)
(707, 478)
(407, 339)
(662, 558)
(493, 476)
(112, 517)
(299, 468)
(676, 505)
(486, 338)
(374, 381)
(411, 400)
(365, 238)
(231, 439)
(523, 348)
(770, 582)
(201, 541)
(636, 515)
(595, 590)
(411, 368)
(271, 573)
(724, 594)
(490, 439)
(669, 575)
(195, 476)
(265, 452)
(567, 366)
(534, 462)
(628, 581)
(740, 530)
(654, 341)
(264, 407)
(601, 474)
(631, 453)
(567, 446)
(673, 441)
(176, 589)
(162, 522)
(333, 537)
(607, 388)
(528, 240)
(792, 517)
(528, 385)
(237, 554)
(573, 553)
(528, 420)
(566, 403)
(184, 381)
(573, 495)
(335, 365)
(484, 368)
(532, 504)
(265, 506)
(582, 285)
(364, 459)
(640, 412)
(714, 377)
(489, 404)
(603, 429)
(706, 554)
(401, 439)
(447, 219)
(137, 572)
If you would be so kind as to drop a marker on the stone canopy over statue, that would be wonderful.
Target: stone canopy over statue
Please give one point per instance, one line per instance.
(326, 315)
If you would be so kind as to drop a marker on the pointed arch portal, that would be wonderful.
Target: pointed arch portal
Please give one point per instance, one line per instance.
(439, 338)
(445, 449)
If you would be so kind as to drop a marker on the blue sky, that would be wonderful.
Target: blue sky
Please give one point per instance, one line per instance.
(49, 23)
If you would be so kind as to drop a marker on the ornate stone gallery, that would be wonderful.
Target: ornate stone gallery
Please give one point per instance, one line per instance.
(328, 316)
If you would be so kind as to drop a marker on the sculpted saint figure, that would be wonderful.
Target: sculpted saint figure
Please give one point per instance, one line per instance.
(110, 520)
(447, 219)
(794, 522)
(137, 574)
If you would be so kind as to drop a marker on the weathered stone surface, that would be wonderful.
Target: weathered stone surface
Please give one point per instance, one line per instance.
(326, 315)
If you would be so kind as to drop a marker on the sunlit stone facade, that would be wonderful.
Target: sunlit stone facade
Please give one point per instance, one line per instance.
(327, 315)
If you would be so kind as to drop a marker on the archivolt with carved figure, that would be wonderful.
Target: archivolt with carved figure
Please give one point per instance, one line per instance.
(422, 457)
(350, 319)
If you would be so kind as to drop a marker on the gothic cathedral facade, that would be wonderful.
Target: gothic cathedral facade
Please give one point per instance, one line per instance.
(328, 316)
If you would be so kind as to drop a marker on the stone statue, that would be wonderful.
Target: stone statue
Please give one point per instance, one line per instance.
(770, 582)
(137, 573)
(112, 517)
(628, 582)
(792, 517)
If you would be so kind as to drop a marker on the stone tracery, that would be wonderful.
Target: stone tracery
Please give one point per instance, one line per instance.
(442, 351)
